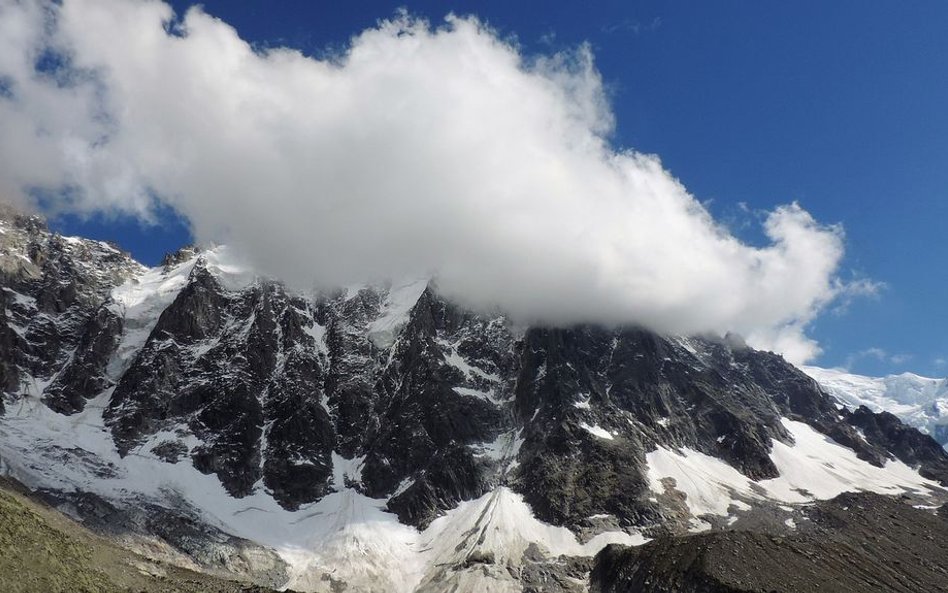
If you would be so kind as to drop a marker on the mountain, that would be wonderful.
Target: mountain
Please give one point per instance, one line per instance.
(383, 438)
(918, 401)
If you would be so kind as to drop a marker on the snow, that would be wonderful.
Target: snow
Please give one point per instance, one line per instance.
(479, 394)
(709, 484)
(504, 449)
(69, 452)
(21, 299)
(403, 486)
(824, 468)
(318, 333)
(346, 535)
(919, 401)
(501, 524)
(596, 431)
(814, 467)
(453, 359)
(350, 536)
(396, 311)
(228, 268)
(140, 300)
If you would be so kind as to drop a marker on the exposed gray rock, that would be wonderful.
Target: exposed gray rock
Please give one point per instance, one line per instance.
(855, 543)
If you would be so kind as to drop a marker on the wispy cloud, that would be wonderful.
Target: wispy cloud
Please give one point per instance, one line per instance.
(856, 289)
(633, 26)
(877, 354)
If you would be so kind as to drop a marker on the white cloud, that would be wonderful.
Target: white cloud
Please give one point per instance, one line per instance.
(418, 150)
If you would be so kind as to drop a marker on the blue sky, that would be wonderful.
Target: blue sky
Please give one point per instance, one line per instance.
(840, 106)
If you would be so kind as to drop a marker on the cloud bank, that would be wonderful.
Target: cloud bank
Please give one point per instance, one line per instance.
(420, 149)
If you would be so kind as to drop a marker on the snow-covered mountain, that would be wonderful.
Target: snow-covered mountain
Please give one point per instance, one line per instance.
(382, 438)
(921, 402)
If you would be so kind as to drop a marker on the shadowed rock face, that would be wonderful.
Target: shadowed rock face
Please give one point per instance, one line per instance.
(55, 326)
(855, 543)
(264, 388)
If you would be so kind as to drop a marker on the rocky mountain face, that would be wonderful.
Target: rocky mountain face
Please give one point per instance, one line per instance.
(383, 425)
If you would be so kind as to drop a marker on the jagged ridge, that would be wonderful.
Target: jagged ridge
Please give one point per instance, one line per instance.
(381, 398)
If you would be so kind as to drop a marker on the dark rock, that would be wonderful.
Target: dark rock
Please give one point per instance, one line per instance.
(857, 543)
(892, 437)
(170, 451)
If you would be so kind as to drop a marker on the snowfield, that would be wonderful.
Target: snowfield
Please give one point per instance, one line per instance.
(918, 401)
(813, 467)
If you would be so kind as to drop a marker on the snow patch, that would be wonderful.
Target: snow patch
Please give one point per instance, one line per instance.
(140, 301)
(487, 396)
(396, 311)
(814, 467)
(596, 431)
(453, 359)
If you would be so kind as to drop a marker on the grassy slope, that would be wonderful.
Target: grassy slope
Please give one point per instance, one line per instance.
(43, 551)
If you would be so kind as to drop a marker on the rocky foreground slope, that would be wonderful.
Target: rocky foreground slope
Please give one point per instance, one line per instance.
(382, 438)
(43, 551)
(854, 543)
